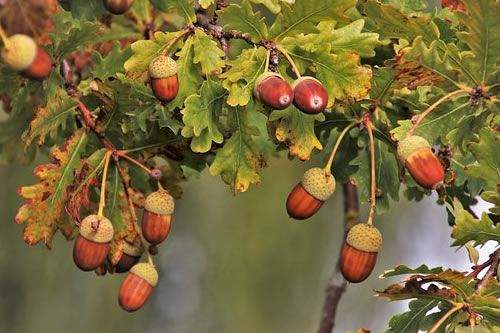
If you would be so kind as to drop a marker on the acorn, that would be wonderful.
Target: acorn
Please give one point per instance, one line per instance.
(424, 166)
(24, 55)
(157, 216)
(118, 7)
(307, 197)
(164, 81)
(309, 95)
(93, 243)
(359, 253)
(272, 90)
(453, 5)
(131, 255)
(137, 286)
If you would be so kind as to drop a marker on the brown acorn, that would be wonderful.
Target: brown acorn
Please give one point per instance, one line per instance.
(359, 253)
(118, 7)
(164, 81)
(24, 55)
(157, 216)
(307, 197)
(137, 286)
(131, 255)
(272, 90)
(309, 95)
(93, 243)
(424, 166)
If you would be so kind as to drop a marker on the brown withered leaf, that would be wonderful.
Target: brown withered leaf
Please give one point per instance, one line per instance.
(78, 193)
(44, 213)
(413, 74)
(30, 17)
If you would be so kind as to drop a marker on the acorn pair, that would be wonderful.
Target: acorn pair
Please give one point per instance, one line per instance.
(306, 93)
(22, 54)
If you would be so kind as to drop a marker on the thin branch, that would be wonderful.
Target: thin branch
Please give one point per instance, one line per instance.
(337, 144)
(135, 220)
(373, 186)
(491, 271)
(337, 284)
(435, 105)
(446, 316)
(133, 160)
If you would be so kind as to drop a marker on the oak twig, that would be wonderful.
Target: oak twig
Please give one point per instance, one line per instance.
(337, 284)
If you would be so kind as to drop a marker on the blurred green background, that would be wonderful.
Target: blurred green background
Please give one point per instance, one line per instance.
(230, 264)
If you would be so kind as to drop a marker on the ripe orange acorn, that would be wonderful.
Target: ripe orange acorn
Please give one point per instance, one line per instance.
(137, 286)
(131, 256)
(309, 95)
(118, 6)
(164, 81)
(24, 55)
(272, 90)
(307, 197)
(157, 216)
(453, 5)
(359, 253)
(424, 166)
(92, 246)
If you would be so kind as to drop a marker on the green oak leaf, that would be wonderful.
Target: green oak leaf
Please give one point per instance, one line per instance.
(147, 50)
(273, 5)
(239, 160)
(487, 306)
(185, 8)
(240, 78)
(304, 15)
(71, 34)
(296, 130)
(383, 84)
(201, 114)
(49, 119)
(243, 18)
(409, 7)
(481, 20)
(403, 270)
(188, 74)
(386, 175)
(89, 9)
(44, 213)
(347, 39)
(487, 154)
(468, 228)
(411, 321)
(207, 53)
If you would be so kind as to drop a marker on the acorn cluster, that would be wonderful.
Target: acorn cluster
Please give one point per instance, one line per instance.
(306, 93)
(93, 244)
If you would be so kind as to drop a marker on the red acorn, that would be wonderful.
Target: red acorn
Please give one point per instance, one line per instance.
(24, 55)
(307, 197)
(93, 243)
(118, 7)
(309, 95)
(164, 81)
(419, 159)
(359, 253)
(137, 286)
(157, 216)
(453, 5)
(272, 90)
(131, 256)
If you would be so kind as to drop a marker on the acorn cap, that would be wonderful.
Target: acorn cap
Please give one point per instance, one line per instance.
(303, 78)
(134, 250)
(104, 233)
(364, 237)
(162, 67)
(411, 144)
(147, 272)
(319, 183)
(21, 52)
(160, 202)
